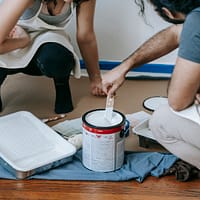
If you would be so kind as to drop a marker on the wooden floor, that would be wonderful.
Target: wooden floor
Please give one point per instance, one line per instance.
(165, 188)
(22, 93)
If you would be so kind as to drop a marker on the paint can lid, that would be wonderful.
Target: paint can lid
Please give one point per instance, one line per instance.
(153, 103)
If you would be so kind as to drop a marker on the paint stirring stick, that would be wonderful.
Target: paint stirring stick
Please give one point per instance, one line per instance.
(50, 119)
(109, 108)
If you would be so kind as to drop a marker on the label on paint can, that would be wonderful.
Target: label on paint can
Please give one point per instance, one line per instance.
(103, 141)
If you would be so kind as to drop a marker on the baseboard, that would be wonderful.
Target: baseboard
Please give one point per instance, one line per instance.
(146, 71)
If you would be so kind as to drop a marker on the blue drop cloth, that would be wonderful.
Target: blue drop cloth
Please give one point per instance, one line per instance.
(137, 166)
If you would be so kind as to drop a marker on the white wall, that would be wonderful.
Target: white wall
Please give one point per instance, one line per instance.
(120, 29)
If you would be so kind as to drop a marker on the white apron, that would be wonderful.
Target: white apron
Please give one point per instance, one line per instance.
(40, 32)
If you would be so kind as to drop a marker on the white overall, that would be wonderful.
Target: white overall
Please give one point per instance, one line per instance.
(40, 32)
(177, 132)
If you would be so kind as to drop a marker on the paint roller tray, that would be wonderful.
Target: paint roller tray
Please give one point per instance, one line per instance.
(142, 129)
(28, 146)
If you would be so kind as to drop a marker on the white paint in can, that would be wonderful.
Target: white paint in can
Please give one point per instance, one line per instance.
(103, 141)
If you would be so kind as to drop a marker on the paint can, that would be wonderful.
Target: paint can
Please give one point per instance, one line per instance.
(103, 141)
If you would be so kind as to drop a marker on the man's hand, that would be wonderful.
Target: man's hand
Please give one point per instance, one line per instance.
(112, 80)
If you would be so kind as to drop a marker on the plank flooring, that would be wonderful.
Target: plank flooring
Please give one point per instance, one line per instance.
(166, 188)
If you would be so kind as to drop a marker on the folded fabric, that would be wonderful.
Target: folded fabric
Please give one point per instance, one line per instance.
(137, 166)
(68, 128)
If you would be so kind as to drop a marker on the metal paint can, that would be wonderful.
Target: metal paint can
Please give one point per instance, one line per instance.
(103, 141)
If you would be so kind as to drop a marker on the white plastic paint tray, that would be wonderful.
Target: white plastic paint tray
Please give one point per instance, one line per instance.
(142, 129)
(28, 146)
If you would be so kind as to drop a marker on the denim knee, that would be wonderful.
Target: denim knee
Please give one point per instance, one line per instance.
(3, 74)
(54, 60)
